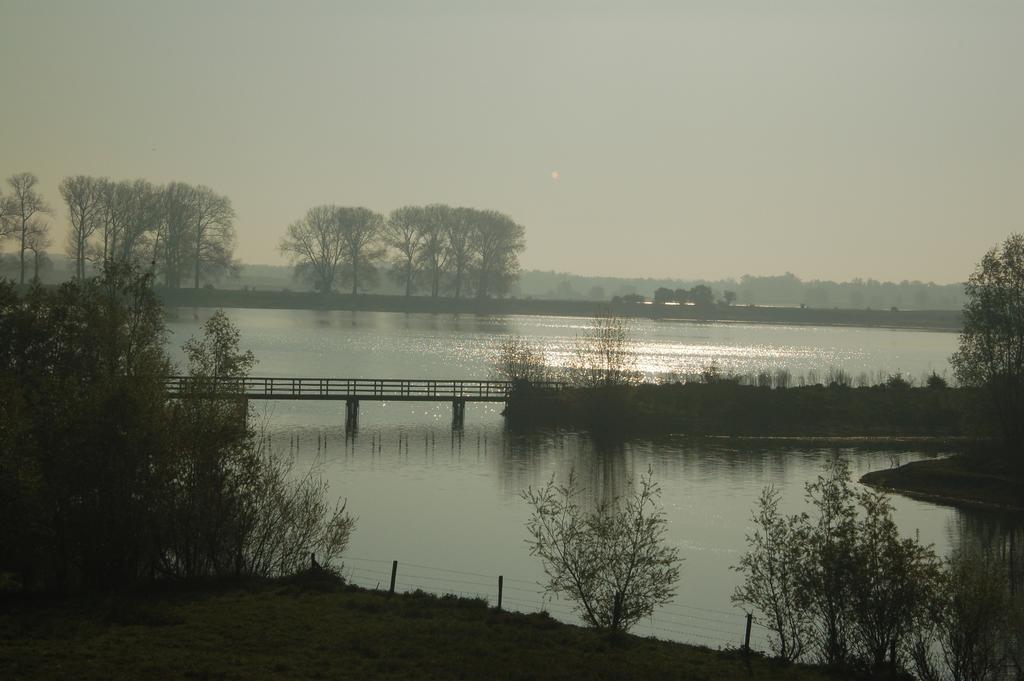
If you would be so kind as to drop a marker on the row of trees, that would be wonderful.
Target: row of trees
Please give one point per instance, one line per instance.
(841, 586)
(433, 248)
(105, 481)
(700, 295)
(184, 232)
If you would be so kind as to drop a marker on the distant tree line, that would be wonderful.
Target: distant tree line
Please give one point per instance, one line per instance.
(785, 290)
(182, 232)
(700, 295)
(436, 249)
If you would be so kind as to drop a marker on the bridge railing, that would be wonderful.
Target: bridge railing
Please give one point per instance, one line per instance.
(340, 388)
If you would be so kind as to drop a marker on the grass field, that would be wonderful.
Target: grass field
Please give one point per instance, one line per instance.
(315, 628)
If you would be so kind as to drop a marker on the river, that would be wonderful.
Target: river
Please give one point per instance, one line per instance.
(447, 506)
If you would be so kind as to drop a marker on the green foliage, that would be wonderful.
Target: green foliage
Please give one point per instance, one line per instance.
(612, 560)
(233, 507)
(840, 582)
(898, 381)
(85, 366)
(971, 633)
(771, 584)
(991, 353)
(216, 354)
(104, 481)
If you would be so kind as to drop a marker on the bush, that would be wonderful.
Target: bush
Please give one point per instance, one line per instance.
(973, 623)
(520, 361)
(841, 582)
(612, 561)
(234, 506)
(898, 381)
(104, 481)
(604, 356)
(771, 584)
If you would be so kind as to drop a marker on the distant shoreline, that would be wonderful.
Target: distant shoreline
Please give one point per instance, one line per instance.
(921, 320)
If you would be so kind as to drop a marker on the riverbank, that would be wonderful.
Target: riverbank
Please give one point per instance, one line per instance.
(982, 480)
(726, 409)
(320, 629)
(928, 320)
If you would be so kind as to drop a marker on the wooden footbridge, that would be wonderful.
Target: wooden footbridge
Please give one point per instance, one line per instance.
(354, 390)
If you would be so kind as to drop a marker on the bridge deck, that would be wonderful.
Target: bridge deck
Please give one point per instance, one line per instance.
(380, 389)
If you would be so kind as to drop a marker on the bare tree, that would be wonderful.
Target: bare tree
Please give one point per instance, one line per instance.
(459, 246)
(359, 229)
(604, 357)
(37, 240)
(518, 360)
(110, 213)
(118, 239)
(172, 247)
(404, 233)
(497, 242)
(315, 247)
(213, 239)
(83, 197)
(140, 212)
(434, 253)
(7, 214)
(24, 203)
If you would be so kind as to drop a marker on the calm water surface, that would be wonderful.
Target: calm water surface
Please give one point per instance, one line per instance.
(447, 505)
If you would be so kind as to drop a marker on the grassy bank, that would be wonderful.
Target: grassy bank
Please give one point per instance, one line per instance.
(322, 630)
(932, 320)
(982, 480)
(727, 409)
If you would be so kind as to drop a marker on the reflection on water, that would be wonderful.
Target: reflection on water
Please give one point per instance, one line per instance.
(449, 503)
(395, 345)
(996, 534)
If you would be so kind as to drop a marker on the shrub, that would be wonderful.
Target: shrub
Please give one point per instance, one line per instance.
(520, 361)
(604, 356)
(107, 481)
(772, 581)
(613, 560)
(841, 582)
(973, 624)
(233, 506)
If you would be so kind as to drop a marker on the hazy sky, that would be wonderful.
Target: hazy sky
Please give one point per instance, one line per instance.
(830, 138)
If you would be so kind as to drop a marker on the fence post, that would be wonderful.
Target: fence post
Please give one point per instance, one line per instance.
(746, 636)
(394, 573)
(501, 581)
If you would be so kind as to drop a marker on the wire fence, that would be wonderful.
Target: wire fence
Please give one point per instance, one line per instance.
(677, 621)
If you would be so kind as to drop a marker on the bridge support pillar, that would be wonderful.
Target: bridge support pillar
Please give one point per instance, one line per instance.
(351, 415)
(458, 413)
